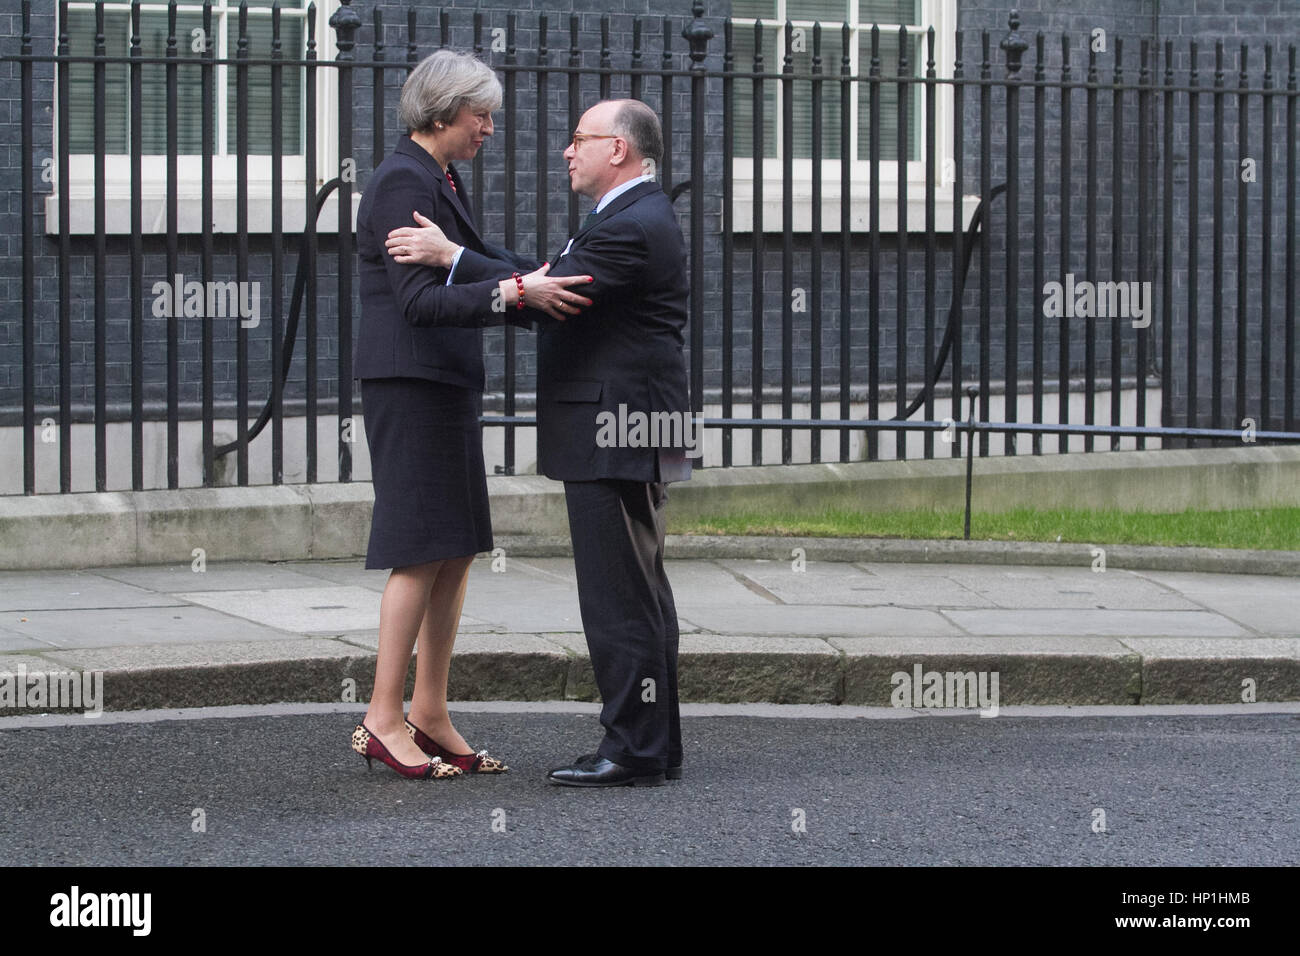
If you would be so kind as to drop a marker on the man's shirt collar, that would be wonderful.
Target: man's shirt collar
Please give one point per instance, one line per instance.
(619, 190)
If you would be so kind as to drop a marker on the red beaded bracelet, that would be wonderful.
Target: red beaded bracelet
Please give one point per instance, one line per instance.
(519, 281)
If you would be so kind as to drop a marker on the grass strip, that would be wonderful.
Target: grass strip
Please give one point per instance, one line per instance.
(1268, 529)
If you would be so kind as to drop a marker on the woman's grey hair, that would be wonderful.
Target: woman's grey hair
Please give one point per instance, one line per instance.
(441, 84)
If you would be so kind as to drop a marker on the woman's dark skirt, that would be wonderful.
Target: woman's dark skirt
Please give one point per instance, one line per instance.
(426, 457)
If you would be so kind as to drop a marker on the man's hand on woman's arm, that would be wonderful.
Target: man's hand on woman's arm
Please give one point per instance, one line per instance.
(424, 244)
(421, 294)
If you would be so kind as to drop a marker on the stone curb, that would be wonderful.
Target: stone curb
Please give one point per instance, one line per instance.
(713, 668)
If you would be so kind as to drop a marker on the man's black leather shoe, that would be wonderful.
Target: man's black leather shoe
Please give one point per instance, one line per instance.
(672, 773)
(601, 772)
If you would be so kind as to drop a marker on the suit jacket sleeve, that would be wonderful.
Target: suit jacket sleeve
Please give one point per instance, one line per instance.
(497, 263)
(493, 263)
(520, 263)
(420, 291)
(613, 253)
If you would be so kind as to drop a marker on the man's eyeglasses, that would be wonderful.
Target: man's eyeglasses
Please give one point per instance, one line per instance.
(580, 138)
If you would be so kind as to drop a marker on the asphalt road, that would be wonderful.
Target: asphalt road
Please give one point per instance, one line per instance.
(1174, 790)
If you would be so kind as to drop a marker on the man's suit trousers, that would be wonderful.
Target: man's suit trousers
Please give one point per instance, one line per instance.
(617, 528)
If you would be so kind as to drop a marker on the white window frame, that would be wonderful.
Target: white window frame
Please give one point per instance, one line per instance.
(942, 15)
(189, 167)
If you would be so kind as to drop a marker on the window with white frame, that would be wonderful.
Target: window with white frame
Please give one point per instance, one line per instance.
(190, 44)
(893, 17)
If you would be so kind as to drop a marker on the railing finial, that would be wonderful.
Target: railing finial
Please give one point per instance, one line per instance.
(1013, 44)
(346, 22)
(697, 33)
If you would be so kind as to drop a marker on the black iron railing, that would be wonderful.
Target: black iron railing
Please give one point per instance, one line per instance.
(826, 312)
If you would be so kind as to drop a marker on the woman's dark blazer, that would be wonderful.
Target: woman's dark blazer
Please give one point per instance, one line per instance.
(414, 325)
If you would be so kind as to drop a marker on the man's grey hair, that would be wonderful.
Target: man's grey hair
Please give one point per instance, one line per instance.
(441, 84)
(638, 124)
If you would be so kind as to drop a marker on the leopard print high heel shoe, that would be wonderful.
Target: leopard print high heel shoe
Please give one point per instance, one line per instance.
(480, 762)
(369, 746)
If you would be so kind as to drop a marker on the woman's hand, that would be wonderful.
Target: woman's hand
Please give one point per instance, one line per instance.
(426, 245)
(550, 294)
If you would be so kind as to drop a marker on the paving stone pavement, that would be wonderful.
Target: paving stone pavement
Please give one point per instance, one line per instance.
(753, 629)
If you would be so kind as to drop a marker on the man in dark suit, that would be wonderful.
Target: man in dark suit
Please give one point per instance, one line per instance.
(613, 423)
(621, 356)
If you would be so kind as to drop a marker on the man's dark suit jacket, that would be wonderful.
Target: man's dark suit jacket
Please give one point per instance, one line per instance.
(413, 325)
(625, 349)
